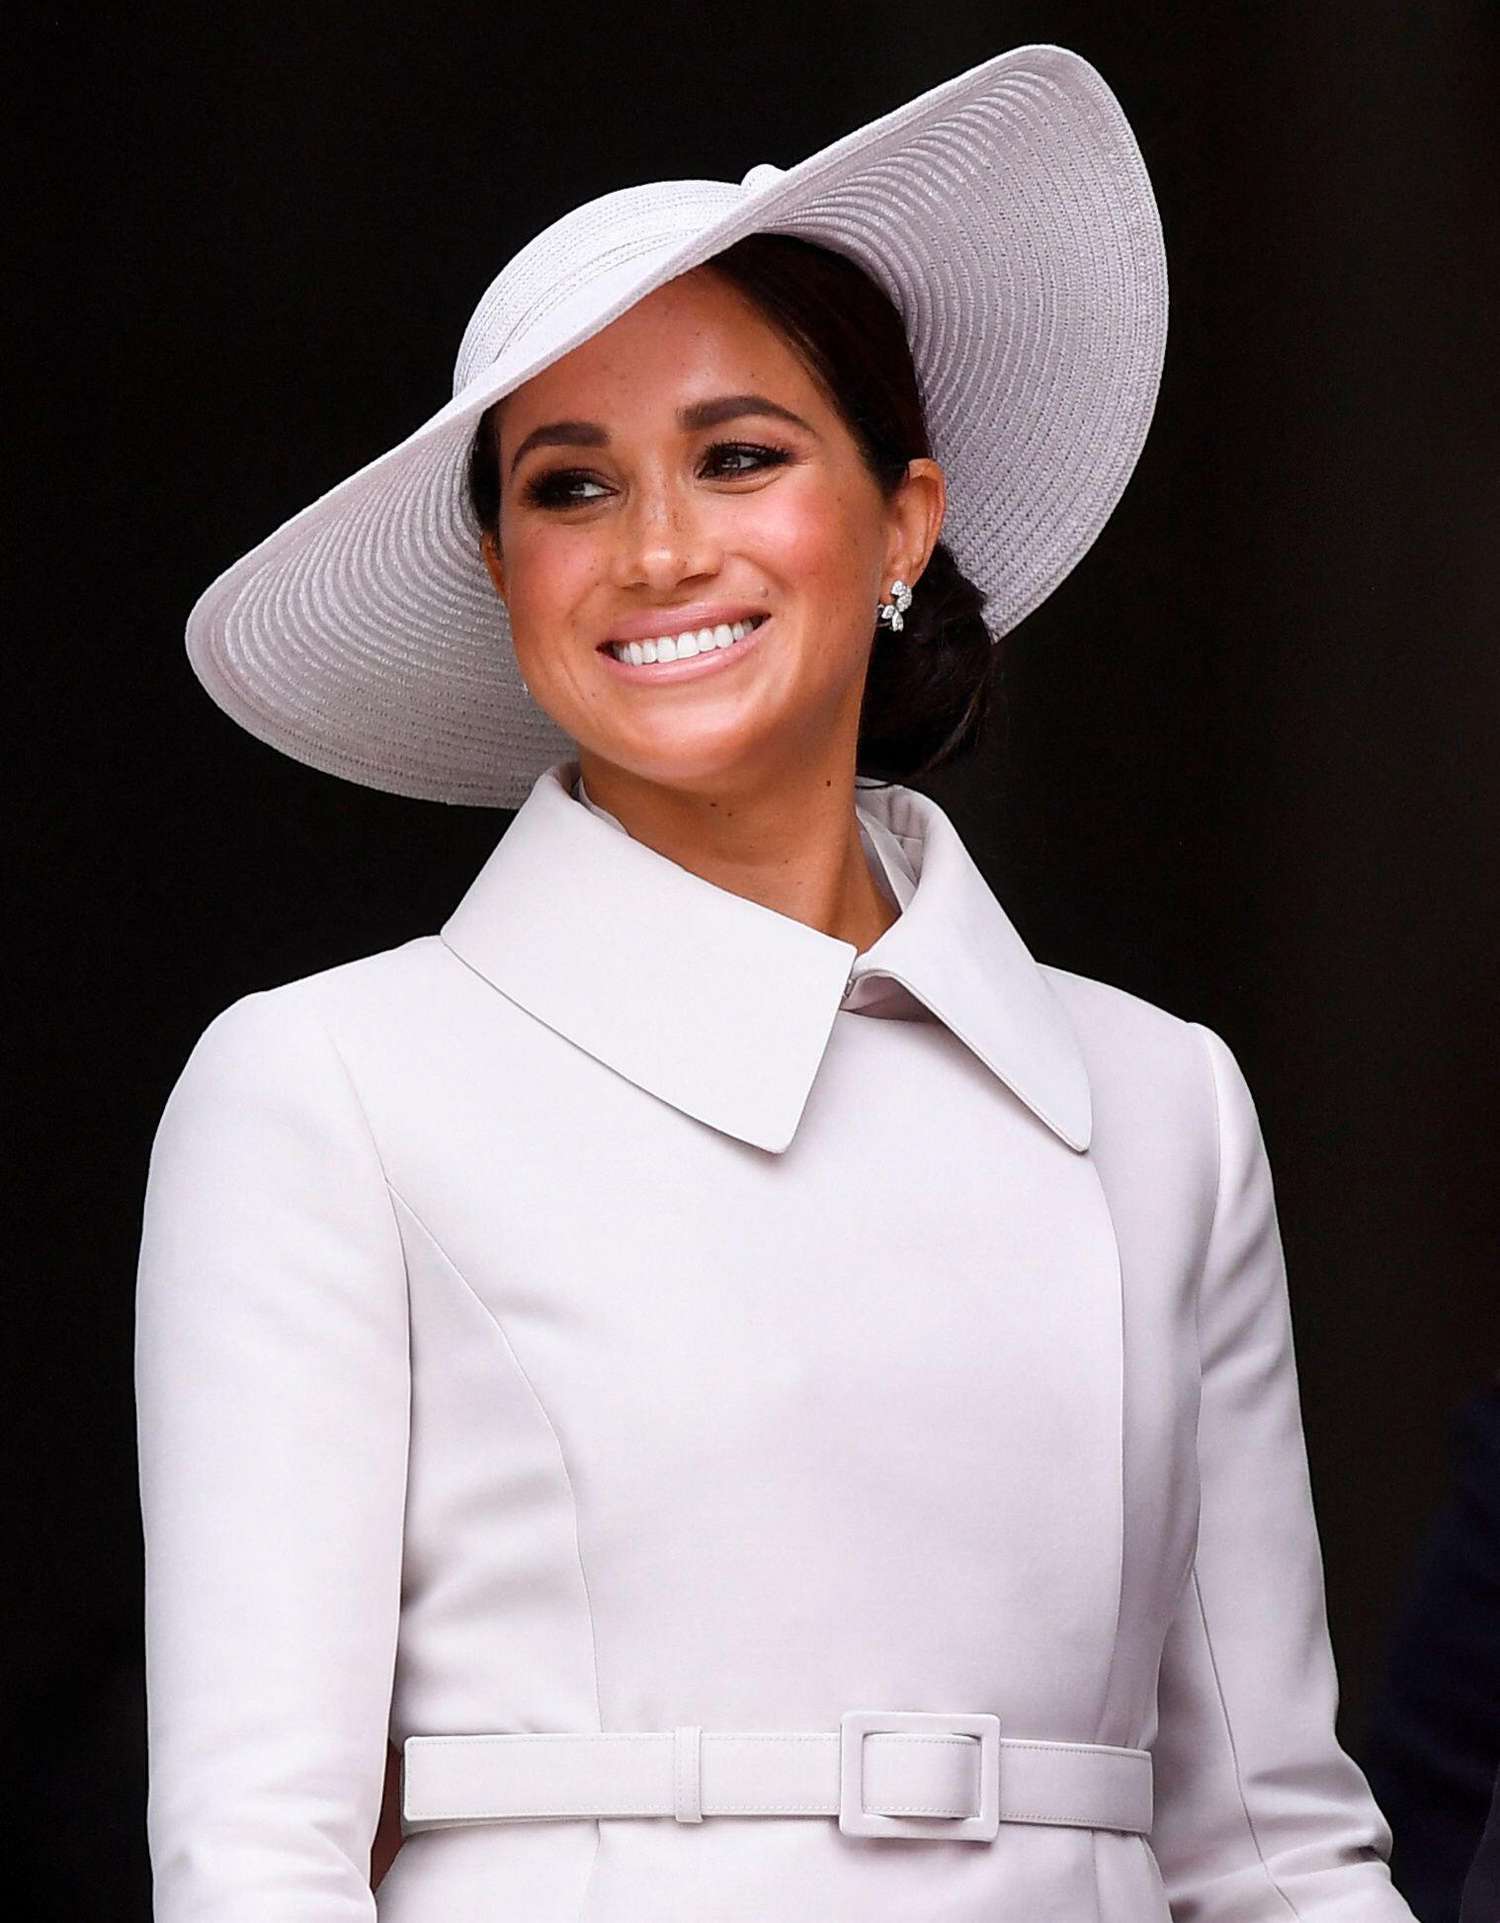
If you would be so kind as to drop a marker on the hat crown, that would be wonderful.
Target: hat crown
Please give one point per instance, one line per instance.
(611, 236)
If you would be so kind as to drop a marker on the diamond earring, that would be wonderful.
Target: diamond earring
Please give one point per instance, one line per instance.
(890, 612)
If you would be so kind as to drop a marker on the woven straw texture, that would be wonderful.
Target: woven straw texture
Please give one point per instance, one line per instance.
(1009, 216)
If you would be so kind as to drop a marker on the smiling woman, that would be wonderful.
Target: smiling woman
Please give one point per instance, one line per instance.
(839, 346)
(774, 1401)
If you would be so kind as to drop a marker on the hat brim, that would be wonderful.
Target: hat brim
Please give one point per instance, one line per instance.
(1009, 216)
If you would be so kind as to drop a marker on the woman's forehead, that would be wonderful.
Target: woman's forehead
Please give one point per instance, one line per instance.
(689, 340)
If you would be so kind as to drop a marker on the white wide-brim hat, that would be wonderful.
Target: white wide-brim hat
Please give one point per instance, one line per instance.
(1008, 215)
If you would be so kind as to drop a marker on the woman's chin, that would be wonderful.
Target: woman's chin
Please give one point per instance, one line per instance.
(679, 754)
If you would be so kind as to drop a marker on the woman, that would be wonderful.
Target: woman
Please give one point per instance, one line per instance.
(776, 1403)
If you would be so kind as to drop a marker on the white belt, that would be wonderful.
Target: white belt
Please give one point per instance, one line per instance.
(882, 1773)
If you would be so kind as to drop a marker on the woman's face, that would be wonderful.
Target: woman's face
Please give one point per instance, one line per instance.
(643, 495)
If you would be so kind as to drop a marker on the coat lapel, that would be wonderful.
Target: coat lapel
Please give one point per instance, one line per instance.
(723, 1007)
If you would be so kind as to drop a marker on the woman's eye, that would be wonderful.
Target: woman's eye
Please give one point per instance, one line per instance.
(556, 490)
(559, 489)
(759, 456)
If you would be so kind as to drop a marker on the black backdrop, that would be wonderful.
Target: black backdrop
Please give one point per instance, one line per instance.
(1245, 767)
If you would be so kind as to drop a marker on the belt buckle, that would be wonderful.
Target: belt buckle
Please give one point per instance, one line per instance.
(856, 1820)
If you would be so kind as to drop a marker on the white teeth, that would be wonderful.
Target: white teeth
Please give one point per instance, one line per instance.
(681, 647)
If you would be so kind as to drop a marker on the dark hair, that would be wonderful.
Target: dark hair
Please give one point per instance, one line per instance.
(928, 688)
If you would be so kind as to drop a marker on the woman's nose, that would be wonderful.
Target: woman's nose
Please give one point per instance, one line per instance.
(664, 536)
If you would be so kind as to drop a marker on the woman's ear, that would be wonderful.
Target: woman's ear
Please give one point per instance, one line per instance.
(918, 509)
(492, 562)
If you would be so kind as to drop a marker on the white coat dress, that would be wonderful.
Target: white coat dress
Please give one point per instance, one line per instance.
(631, 1309)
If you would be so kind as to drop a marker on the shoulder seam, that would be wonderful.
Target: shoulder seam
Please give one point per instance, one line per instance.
(364, 1116)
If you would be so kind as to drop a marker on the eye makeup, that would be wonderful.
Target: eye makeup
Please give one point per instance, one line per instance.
(553, 489)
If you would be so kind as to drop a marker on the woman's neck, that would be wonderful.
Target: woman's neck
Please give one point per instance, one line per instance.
(794, 848)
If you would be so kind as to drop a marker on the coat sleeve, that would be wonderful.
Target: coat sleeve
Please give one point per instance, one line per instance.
(272, 1397)
(1261, 1816)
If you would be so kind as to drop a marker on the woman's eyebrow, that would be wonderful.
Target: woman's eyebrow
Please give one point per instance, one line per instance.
(710, 413)
(730, 407)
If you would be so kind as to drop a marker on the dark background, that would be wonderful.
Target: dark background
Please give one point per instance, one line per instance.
(1246, 761)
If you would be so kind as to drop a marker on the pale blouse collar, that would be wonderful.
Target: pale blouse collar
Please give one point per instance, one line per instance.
(873, 995)
(569, 903)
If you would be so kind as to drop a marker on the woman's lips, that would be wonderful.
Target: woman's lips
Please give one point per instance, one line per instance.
(686, 616)
(713, 662)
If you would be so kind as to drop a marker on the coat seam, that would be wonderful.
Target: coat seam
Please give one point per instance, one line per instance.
(1213, 1664)
(1208, 1641)
(364, 1116)
(552, 1430)
(369, 1128)
(1114, 1242)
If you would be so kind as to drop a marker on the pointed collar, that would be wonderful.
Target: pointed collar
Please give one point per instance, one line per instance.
(566, 888)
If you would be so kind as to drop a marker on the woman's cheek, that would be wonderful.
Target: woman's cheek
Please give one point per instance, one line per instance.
(552, 575)
(797, 538)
